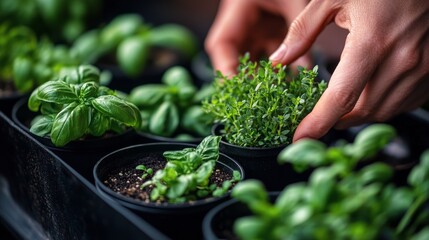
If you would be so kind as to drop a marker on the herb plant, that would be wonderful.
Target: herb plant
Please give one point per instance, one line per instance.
(27, 62)
(59, 20)
(339, 201)
(173, 107)
(187, 173)
(74, 105)
(262, 105)
(132, 41)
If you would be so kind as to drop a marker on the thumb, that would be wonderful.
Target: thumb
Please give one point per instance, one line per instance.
(303, 31)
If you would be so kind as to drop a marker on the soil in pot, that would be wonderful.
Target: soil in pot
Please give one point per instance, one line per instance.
(113, 171)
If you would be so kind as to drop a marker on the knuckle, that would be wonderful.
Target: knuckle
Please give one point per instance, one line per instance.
(408, 59)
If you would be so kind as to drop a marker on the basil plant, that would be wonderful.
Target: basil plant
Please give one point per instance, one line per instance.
(74, 105)
(186, 176)
(340, 200)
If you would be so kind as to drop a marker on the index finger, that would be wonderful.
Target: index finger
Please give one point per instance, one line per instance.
(357, 65)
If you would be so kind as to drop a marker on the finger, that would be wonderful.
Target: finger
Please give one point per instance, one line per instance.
(398, 85)
(344, 89)
(304, 31)
(221, 43)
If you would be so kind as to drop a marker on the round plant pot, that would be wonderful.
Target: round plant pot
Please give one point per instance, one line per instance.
(80, 154)
(218, 222)
(261, 163)
(164, 216)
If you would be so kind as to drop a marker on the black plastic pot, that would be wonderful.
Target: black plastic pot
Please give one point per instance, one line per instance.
(80, 154)
(219, 221)
(179, 221)
(261, 163)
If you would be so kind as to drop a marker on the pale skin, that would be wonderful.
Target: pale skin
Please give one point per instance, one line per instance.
(383, 69)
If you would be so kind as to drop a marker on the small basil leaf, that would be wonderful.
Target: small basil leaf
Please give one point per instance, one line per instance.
(89, 90)
(34, 102)
(203, 173)
(177, 76)
(164, 120)
(42, 125)
(209, 148)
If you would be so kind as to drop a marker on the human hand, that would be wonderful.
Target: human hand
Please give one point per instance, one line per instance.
(384, 66)
(254, 26)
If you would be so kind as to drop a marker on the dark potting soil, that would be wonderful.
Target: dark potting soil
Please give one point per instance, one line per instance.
(127, 180)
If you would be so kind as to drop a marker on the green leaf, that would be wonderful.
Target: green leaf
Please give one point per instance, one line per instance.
(376, 172)
(118, 109)
(42, 125)
(196, 121)
(148, 95)
(250, 191)
(177, 76)
(132, 55)
(304, 154)
(203, 173)
(22, 74)
(119, 28)
(88, 90)
(164, 120)
(176, 37)
(372, 139)
(251, 227)
(70, 124)
(99, 124)
(208, 149)
(55, 92)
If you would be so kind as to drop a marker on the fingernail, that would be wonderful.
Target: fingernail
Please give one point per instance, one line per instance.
(278, 54)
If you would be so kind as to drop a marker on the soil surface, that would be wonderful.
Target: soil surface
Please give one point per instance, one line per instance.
(127, 181)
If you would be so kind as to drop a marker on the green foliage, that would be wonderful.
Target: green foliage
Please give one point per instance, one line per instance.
(27, 62)
(339, 201)
(173, 107)
(74, 105)
(132, 40)
(262, 105)
(58, 19)
(187, 172)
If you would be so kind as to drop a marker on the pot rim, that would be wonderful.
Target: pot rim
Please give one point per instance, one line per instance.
(138, 204)
(215, 131)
